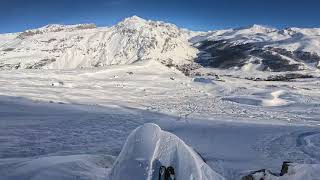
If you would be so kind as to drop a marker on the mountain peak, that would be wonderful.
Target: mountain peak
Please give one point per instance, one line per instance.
(256, 28)
(135, 18)
(71, 27)
(133, 22)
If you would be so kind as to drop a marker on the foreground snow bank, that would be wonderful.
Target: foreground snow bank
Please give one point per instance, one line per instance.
(148, 147)
(56, 167)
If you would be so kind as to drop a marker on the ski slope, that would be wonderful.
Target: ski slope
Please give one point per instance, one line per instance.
(74, 123)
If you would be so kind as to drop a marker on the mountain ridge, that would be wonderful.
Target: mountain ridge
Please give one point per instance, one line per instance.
(255, 47)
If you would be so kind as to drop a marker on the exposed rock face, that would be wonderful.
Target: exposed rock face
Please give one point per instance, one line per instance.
(285, 168)
(41, 63)
(283, 77)
(9, 66)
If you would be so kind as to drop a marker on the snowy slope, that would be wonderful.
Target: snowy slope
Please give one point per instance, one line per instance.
(304, 39)
(78, 46)
(42, 140)
(236, 125)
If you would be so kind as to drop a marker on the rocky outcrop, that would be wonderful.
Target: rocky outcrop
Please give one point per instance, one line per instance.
(224, 54)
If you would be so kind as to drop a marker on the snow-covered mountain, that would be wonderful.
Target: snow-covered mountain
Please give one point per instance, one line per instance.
(252, 48)
(260, 48)
(84, 45)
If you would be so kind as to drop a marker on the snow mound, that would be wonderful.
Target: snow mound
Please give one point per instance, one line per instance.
(261, 99)
(148, 147)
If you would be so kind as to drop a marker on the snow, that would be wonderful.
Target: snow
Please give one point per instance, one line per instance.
(135, 39)
(58, 167)
(301, 39)
(84, 45)
(148, 148)
(95, 110)
(57, 122)
(262, 99)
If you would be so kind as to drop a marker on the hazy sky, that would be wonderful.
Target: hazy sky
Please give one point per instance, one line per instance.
(19, 15)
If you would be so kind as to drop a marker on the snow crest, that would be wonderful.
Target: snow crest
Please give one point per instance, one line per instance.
(148, 147)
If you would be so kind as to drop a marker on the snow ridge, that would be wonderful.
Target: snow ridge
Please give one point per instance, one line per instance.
(260, 48)
(148, 147)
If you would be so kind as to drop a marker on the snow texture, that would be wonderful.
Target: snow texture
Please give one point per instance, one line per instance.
(148, 148)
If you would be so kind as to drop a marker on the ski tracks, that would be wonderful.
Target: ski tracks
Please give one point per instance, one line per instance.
(300, 147)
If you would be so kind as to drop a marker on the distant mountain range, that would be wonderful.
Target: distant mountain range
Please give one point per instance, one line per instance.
(253, 48)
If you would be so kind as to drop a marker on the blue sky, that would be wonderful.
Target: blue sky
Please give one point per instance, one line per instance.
(19, 15)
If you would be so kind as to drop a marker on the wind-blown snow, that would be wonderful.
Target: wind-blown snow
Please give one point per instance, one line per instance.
(148, 148)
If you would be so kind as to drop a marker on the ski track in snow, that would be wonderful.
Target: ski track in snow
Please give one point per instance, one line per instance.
(63, 113)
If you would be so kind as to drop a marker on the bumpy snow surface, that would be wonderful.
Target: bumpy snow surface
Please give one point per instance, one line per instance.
(148, 148)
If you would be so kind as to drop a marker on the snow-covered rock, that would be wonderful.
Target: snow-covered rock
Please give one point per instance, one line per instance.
(294, 172)
(148, 147)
